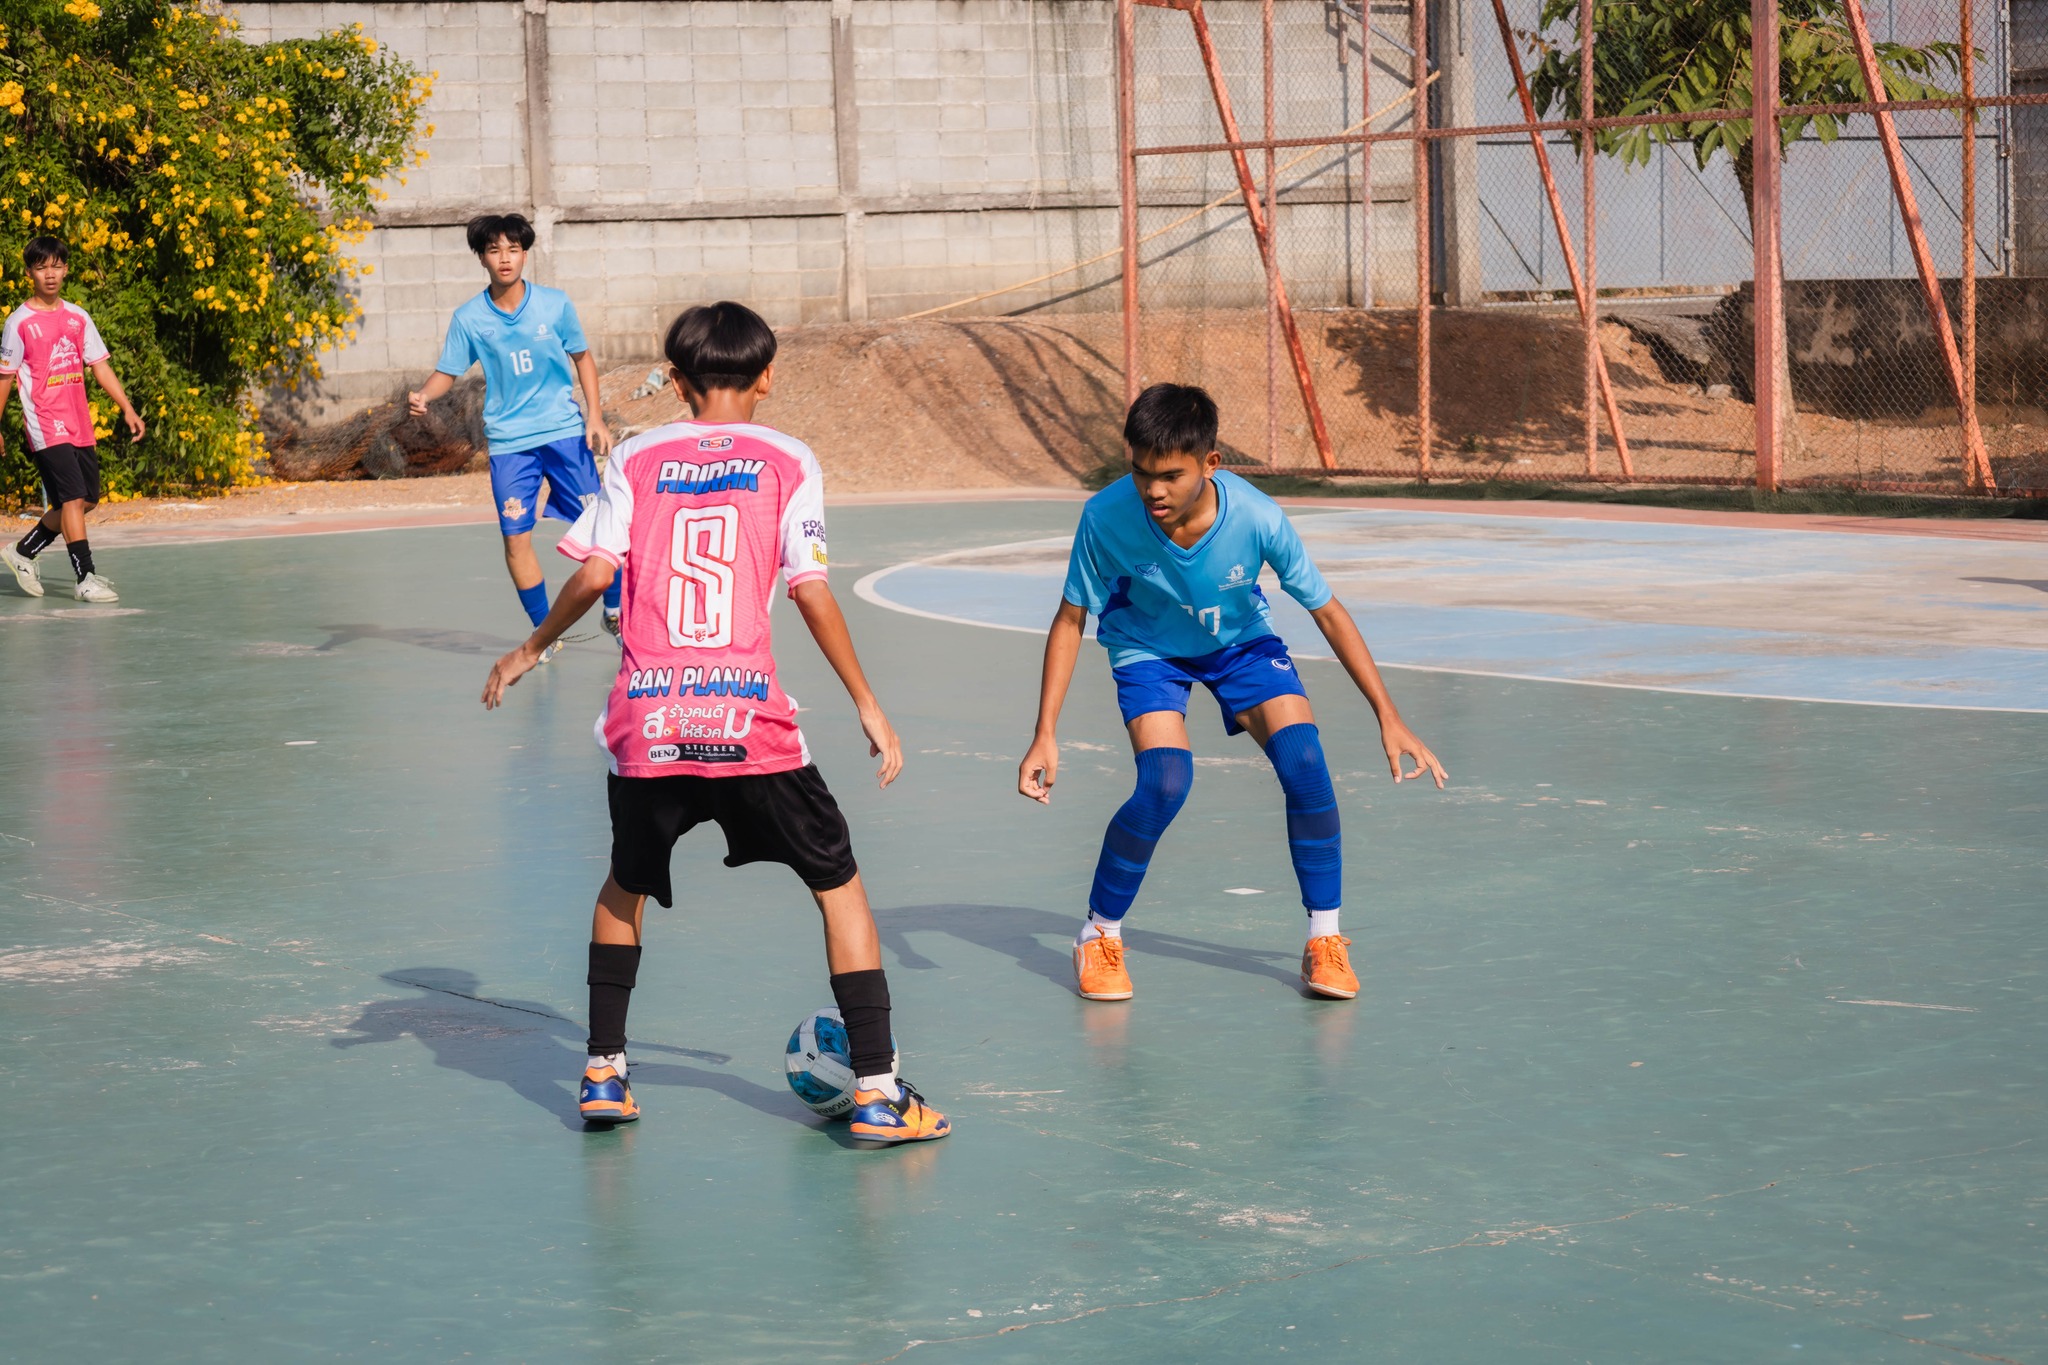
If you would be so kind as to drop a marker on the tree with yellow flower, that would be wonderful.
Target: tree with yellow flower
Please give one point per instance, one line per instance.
(209, 189)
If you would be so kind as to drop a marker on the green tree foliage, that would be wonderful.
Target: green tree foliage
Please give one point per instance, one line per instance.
(1686, 56)
(209, 189)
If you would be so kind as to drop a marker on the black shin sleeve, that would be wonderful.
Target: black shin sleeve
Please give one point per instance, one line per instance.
(613, 969)
(863, 999)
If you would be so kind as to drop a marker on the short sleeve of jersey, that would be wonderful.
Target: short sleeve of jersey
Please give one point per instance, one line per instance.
(95, 349)
(457, 355)
(803, 526)
(605, 530)
(1085, 587)
(10, 345)
(1290, 559)
(570, 328)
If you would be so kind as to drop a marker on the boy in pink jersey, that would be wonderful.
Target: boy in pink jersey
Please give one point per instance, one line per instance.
(46, 347)
(698, 518)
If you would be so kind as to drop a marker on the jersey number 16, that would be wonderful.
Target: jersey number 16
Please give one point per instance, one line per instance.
(705, 542)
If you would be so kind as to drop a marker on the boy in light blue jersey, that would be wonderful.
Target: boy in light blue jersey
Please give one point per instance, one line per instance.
(1168, 561)
(532, 348)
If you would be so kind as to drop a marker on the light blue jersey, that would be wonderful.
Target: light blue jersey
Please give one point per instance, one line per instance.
(1154, 600)
(529, 381)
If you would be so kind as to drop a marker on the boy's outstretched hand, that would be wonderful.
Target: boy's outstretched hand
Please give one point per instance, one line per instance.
(882, 743)
(1401, 743)
(1039, 770)
(505, 673)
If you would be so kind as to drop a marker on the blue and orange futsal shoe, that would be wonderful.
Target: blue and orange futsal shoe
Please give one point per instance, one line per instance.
(607, 1098)
(877, 1118)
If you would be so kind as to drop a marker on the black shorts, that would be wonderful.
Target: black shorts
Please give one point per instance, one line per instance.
(785, 818)
(70, 473)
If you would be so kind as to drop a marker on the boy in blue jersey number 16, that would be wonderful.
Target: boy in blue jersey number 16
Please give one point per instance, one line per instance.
(527, 338)
(1168, 560)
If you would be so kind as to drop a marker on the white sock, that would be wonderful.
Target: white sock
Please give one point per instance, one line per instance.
(1098, 927)
(1321, 922)
(886, 1083)
(617, 1062)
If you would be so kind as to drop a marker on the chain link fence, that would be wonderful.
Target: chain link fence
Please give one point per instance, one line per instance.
(1470, 280)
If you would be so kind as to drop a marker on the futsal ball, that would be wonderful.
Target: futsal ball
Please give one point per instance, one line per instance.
(819, 1063)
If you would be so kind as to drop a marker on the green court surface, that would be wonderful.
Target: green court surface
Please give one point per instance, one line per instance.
(1695, 1028)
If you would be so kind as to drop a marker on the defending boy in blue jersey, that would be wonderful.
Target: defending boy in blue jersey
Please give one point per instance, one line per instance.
(1168, 560)
(532, 348)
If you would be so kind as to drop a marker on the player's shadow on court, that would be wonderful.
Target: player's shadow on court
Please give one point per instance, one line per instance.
(530, 1049)
(1017, 932)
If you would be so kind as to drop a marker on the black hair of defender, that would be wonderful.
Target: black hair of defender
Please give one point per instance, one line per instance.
(722, 345)
(40, 249)
(1172, 419)
(487, 228)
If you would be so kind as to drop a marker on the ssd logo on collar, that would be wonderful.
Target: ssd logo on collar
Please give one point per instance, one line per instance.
(715, 443)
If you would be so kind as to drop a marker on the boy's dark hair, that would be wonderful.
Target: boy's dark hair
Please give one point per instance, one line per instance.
(487, 228)
(1172, 419)
(721, 345)
(40, 249)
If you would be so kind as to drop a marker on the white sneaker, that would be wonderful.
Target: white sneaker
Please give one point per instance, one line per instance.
(612, 626)
(93, 588)
(24, 570)
(550, 652)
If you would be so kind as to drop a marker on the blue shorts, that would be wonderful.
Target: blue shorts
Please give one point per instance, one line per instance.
(1240, 675)
(571, 472)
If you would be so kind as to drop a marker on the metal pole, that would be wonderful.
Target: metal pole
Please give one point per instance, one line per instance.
(1590, 302)
(1418, 42)
(1365, 148)
(1763, 231)
(1127, 183)
(1975, 461)
(1969, 281)
(1564, 236)
(1272, 255)
(1256, 212)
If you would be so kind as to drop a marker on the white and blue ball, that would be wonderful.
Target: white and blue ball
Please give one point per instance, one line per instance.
(819, 1064)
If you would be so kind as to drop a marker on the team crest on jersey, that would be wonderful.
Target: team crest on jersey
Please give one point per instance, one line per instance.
(514, 508)
(715, 443)
(1235, 578)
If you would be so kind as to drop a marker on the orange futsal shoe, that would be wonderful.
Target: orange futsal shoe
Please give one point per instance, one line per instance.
(1326, 967)
(606, 1097)
(877, 1118)
(1099, 968)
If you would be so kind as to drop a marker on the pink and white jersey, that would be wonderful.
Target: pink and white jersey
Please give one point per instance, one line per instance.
(699, 519)
(47, 352)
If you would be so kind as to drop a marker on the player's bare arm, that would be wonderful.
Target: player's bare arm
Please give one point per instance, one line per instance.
(820, 610)
(594, 430)
(104, 373)
(1400, 742)
(435, 387)
(1041, 765)
(6, 392)
(584, 588)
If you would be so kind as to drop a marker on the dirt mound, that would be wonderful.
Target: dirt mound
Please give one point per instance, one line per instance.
(1004, 402)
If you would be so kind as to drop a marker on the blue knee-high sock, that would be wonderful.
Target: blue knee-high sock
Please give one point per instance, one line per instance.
(1164, 777)
(611, 594)
(535, 600)
(1315, 837)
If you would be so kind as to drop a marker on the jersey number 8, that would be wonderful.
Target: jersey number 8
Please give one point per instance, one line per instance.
(705, 542)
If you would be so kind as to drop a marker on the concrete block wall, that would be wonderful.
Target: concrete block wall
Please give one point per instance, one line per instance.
(829, 159)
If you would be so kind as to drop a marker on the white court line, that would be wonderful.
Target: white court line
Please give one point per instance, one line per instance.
(867, 590)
